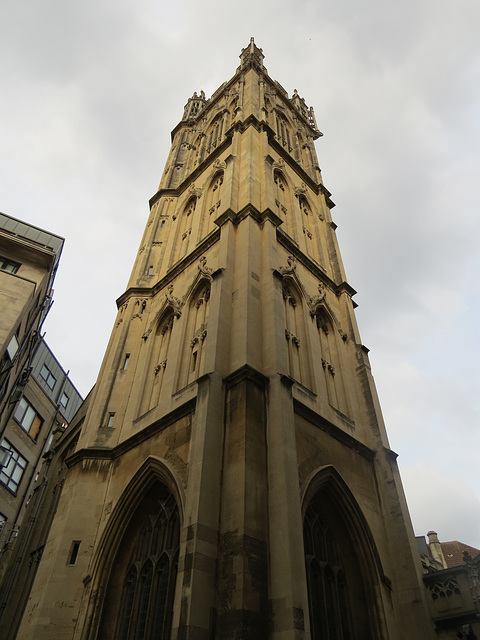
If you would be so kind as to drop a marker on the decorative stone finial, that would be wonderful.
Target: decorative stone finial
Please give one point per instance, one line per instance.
(251, 56)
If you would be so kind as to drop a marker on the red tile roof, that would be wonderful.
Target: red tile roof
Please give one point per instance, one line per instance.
(453, 552)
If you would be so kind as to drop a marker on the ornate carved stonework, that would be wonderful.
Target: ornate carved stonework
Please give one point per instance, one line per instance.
(174, 302)
(203, 269)
(291, 267)
(317, 298)
(300, 191)
(218, 164)
(193, 191)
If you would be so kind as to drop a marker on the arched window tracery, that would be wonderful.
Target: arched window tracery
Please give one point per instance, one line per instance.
(215, 134)
(283, 202)
(157, 362)
(304, 206)
(213, 202)
(329, 557)
(186, 221)
(144, 570)
(196, 334)
(331, 365)
(129, 595)
(283, 132)
(295, 334)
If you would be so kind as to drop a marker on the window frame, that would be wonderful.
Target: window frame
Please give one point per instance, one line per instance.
(64, 395)
(9, 477)
(27, 409)
(46, 377)
(6, 262)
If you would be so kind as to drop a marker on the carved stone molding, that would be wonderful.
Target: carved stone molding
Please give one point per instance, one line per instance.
(301, 190)
(203, 269)
(317, 298)
(291, 267)
(174, 302)
(193, 191)
(318, 302)
(219, 164)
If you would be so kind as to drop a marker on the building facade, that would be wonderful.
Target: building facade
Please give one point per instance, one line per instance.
(452, 580)
(233, 477)
(28, 261)
(45, 403)
(37, 400)
(23, 543)
(29, 258)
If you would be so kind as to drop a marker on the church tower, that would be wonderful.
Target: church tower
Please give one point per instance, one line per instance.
(233, 478)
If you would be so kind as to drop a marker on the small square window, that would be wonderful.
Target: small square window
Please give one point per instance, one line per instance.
(150, 271)
(48, 376)
(64, 400)
(12, 347)
(9, 265)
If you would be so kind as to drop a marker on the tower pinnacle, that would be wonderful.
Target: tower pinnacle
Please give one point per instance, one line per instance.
(252, 56)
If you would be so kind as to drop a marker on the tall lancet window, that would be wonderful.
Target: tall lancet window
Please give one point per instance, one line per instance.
(283, 132)
(157, 363)
(340, 568)
(295, 335)
(215, 133)
(213, 202)
(186, 221)
(195, 336)
(328, 337)
(197, 331)
(141, 588)
(280, 186)
(308, 224)
(330, 617)
(282, 202)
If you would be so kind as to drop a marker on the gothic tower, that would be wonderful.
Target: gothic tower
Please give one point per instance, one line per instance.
(233, 477)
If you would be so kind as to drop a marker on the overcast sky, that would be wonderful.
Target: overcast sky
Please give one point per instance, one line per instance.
(91, 91)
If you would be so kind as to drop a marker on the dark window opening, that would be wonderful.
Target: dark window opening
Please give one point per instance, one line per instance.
(9, 265)
(74, 552)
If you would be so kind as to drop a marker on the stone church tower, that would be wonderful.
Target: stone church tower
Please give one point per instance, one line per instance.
(233, 478)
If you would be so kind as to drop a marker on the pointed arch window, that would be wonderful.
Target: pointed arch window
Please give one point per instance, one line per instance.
(157, 362)
(147, 560)
(342, 564)
(283, 132)
(330, 616)
(198, 321)
(304, 206)
(331, 366)
(295, 334)
(186, 227)
(216, 133)
(144, 600)
(129, 594)
(213, 202)
(281, 191)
